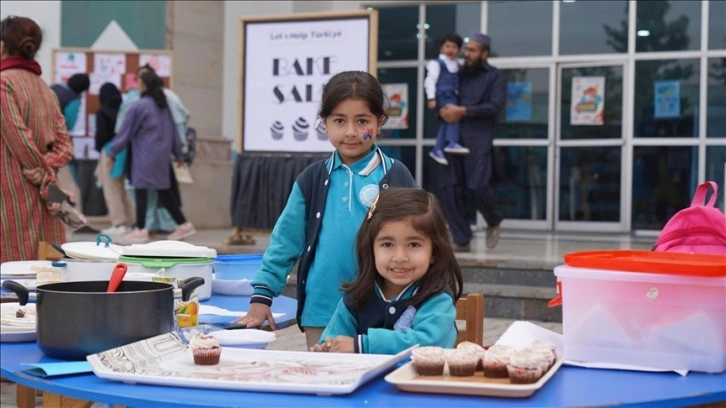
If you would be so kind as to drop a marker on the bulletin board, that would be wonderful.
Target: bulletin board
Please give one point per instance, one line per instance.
(117, 67)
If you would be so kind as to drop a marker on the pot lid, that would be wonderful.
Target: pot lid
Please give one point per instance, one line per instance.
(175, 249)
(92, 251)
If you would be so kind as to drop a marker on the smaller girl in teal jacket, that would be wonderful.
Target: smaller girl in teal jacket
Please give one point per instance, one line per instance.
(408, 280)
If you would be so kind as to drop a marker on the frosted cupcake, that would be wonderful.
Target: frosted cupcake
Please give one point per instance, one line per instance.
(461, 362)
(300, 129)
(547, 351)
(205, 349)
(476, 349)
(525, 367)
(277, 130)
(496, 360)
(428, 360)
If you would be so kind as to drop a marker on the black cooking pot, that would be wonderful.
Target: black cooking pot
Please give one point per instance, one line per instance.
(76, 319)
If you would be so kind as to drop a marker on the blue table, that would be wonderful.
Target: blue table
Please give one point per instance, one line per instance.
(571, 386)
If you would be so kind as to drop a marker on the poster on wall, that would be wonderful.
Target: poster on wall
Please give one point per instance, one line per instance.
(588, 102)
(160, 63)
(109, 64)
(667, 99)
(519, 102)
(67, 64)
(285, 64)
(98, 79)
(397, 111)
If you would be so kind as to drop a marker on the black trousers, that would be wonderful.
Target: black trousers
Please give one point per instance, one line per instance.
(167, 198)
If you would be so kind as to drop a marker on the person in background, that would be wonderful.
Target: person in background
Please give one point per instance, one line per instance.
(34, 144)
(120, 209)
(442, 88)
(150, 131)
(69, 97)
(157, 217)
(482, 94)
(328, 201)
(408, 280)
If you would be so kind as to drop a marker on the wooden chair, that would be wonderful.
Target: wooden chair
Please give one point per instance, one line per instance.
(471, 310)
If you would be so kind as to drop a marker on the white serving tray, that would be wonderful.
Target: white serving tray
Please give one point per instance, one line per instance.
(406, 379)
(13, 329)
(166, 360)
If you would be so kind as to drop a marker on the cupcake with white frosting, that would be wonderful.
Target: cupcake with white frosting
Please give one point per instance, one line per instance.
(496, 360)
(525, 367)
(205, 349)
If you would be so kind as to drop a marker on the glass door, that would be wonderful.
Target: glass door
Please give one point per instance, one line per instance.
(590, 158)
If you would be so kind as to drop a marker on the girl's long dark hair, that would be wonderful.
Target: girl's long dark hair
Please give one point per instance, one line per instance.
(426, 216)
(154, 88)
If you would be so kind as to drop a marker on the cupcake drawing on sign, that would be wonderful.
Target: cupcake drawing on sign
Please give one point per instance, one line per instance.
(300, 129)
(277, 130)
(320, 131)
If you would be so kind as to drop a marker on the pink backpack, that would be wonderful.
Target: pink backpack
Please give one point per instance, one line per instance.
(698, 229)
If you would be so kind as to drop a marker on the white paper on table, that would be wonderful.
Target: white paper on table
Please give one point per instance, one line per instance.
(218, 311)
(521, 334)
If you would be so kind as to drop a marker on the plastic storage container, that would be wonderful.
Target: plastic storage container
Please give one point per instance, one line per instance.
(233, 274)
(180, 268)
(236, 267)
(673, 320)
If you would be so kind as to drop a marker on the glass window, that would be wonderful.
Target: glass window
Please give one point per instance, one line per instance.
(521, 190)
(402, 76)
(432, 182)
(716, 111)
(520, 28)
(404, 154)
(666, 98)
(590, 183)
(612, 122)
(716, 24)
(397, 33)
(591, 27)
(716, 170)
(664, 179)
(664, 25)
(525, 114)
(462, 19)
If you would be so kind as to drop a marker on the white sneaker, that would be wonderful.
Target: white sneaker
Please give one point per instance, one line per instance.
(183, 231)
(116, 231)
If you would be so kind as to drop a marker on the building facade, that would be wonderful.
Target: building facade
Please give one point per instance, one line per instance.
(616, 110)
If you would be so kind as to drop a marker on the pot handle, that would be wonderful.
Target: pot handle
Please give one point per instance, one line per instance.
(20, 290)
(188, 286)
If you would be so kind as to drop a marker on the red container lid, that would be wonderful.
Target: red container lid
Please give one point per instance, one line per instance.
(672, 263)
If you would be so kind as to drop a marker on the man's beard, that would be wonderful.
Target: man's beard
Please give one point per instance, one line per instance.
(471, 70)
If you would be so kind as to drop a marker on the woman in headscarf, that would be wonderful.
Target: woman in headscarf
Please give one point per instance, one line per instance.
(120, 209)
(34, 143)
(150, 130)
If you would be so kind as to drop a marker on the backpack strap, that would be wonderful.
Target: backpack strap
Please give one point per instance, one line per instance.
(700, 195)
